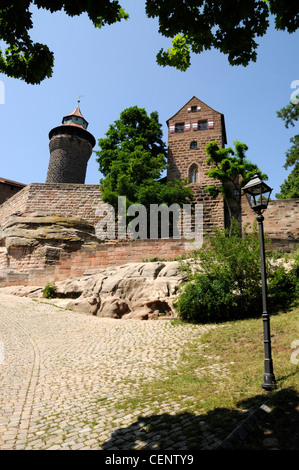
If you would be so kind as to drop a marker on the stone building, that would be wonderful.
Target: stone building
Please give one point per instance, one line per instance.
(9, 188)
(48, 230)
(189, 131)
(70, 149)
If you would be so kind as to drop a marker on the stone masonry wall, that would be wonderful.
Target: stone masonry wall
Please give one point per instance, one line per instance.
(36, 247)
(72, 200)
(181, 156)
(69, 156)
(23, 266)
(62, 254)
(281, 221)
(16, 203)
(7, 191)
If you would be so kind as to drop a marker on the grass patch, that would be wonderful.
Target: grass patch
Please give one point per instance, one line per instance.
(219, 376)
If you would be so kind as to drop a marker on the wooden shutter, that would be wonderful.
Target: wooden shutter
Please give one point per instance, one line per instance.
(171, 128)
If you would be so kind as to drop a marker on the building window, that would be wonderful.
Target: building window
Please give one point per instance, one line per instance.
(193, 109)
(202, 125)
(193, 144)
(179, 127)
(193, 173)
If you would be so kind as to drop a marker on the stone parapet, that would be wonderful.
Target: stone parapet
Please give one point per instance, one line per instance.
(281, 221)
(70, 200)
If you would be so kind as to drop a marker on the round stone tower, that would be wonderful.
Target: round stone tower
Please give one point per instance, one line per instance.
(70, 149)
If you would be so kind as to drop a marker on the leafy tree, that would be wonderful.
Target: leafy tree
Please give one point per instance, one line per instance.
(132, 158)
(231, 170)
(33, 62)
(290, 187)
(223, 279)
(193, 25)
(227, 25)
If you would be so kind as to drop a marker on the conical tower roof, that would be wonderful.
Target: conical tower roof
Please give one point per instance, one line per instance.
(74, 123)
(75, 119)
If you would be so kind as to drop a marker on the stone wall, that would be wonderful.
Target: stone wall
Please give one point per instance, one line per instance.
(47, 233)
(8, 189)
(281, 222)
(71, 200)
(182, 156)
(16, 203)
(69, 156)
(29, 267)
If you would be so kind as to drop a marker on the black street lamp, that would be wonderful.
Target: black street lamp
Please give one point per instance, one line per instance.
(258, 195)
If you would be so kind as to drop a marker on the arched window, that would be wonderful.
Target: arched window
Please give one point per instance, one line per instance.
(193, 144)
(193, 173)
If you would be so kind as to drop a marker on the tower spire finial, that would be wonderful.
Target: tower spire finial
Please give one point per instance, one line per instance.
(78, 99)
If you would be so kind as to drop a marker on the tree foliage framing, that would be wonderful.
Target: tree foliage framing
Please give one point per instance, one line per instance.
(229, 26)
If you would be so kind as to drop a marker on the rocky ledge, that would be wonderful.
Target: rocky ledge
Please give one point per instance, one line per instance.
(135, 290)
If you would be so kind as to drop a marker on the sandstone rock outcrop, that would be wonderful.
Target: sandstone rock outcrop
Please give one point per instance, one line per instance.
(134, 290)
(40, 228)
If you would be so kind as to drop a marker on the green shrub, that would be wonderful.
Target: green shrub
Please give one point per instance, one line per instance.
(49, 290)
(206, 300)
(224, 280)
(283, 287)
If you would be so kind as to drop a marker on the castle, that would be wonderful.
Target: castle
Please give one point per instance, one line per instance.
(47, 230)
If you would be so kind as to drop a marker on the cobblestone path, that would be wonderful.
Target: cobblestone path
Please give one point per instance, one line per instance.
(65, 377)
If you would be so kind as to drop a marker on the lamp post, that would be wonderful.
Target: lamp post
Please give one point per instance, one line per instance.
(258, 195)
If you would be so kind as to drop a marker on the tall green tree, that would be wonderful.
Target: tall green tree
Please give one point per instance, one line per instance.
(132, 158)
(231, 170)
(229, 26)
(290, 187)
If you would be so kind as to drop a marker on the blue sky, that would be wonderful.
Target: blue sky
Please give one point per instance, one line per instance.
(115, 67)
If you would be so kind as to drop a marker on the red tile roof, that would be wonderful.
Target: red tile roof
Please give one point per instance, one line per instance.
(76, 112)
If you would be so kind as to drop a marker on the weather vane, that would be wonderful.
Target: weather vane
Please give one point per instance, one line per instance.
(80, 96)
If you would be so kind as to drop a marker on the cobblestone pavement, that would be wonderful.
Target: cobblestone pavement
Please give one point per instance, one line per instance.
(65, 377)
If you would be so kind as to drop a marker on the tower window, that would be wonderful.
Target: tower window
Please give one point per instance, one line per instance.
(193, 173)
(179, 127)
(193, 144)
(193, 109)
(202, 125)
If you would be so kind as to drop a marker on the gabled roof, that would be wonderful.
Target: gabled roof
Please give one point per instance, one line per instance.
(199, 101)
(11, 182)
(202, 103)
